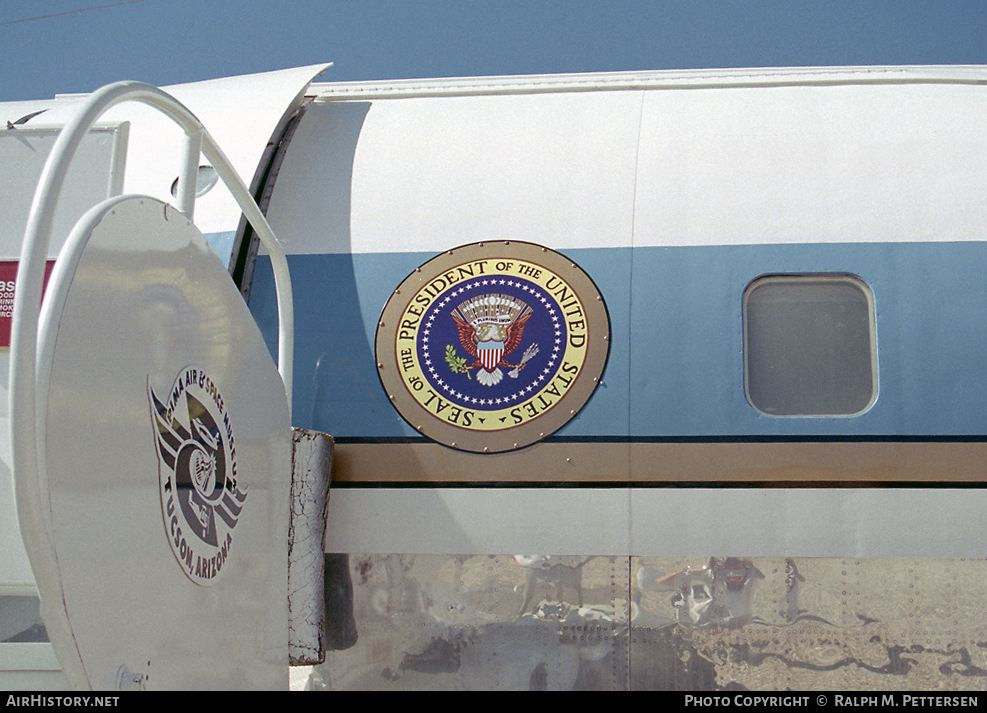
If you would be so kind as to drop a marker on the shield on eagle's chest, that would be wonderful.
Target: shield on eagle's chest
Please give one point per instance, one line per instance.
(490, 353)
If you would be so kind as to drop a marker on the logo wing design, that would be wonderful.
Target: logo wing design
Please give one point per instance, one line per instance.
(169, 434)
(189, 454)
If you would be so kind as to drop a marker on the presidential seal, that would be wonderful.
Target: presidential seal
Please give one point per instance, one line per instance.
(491, 347)
(200, 498)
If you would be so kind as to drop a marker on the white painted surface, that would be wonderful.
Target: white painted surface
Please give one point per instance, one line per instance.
(759, 522)
(638, 159)
(165, 303)
(30, 667)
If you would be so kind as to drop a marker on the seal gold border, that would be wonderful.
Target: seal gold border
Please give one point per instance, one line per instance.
(574, 372)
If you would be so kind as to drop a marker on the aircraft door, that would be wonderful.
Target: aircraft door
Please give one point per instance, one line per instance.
(166, 454)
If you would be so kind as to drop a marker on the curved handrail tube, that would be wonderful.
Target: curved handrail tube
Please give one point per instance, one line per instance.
(26, 453)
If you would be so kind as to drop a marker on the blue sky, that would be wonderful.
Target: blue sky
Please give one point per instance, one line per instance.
(55, 46)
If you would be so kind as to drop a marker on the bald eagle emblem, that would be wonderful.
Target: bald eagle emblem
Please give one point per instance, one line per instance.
(491, 328)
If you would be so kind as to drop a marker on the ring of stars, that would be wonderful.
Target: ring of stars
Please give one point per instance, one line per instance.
(525, 391)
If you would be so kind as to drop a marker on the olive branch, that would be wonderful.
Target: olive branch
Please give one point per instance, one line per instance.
(457, 364)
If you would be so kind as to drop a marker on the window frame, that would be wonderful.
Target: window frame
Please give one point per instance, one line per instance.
(813, 278)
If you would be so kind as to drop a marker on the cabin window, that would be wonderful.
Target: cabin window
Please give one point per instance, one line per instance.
(205, 179)
(810, 345)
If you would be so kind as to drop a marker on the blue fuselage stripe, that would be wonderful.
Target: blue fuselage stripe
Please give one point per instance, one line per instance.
(676, 365)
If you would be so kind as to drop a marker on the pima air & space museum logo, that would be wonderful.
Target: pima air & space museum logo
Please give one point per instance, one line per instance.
(200, 498)
(493, 346)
